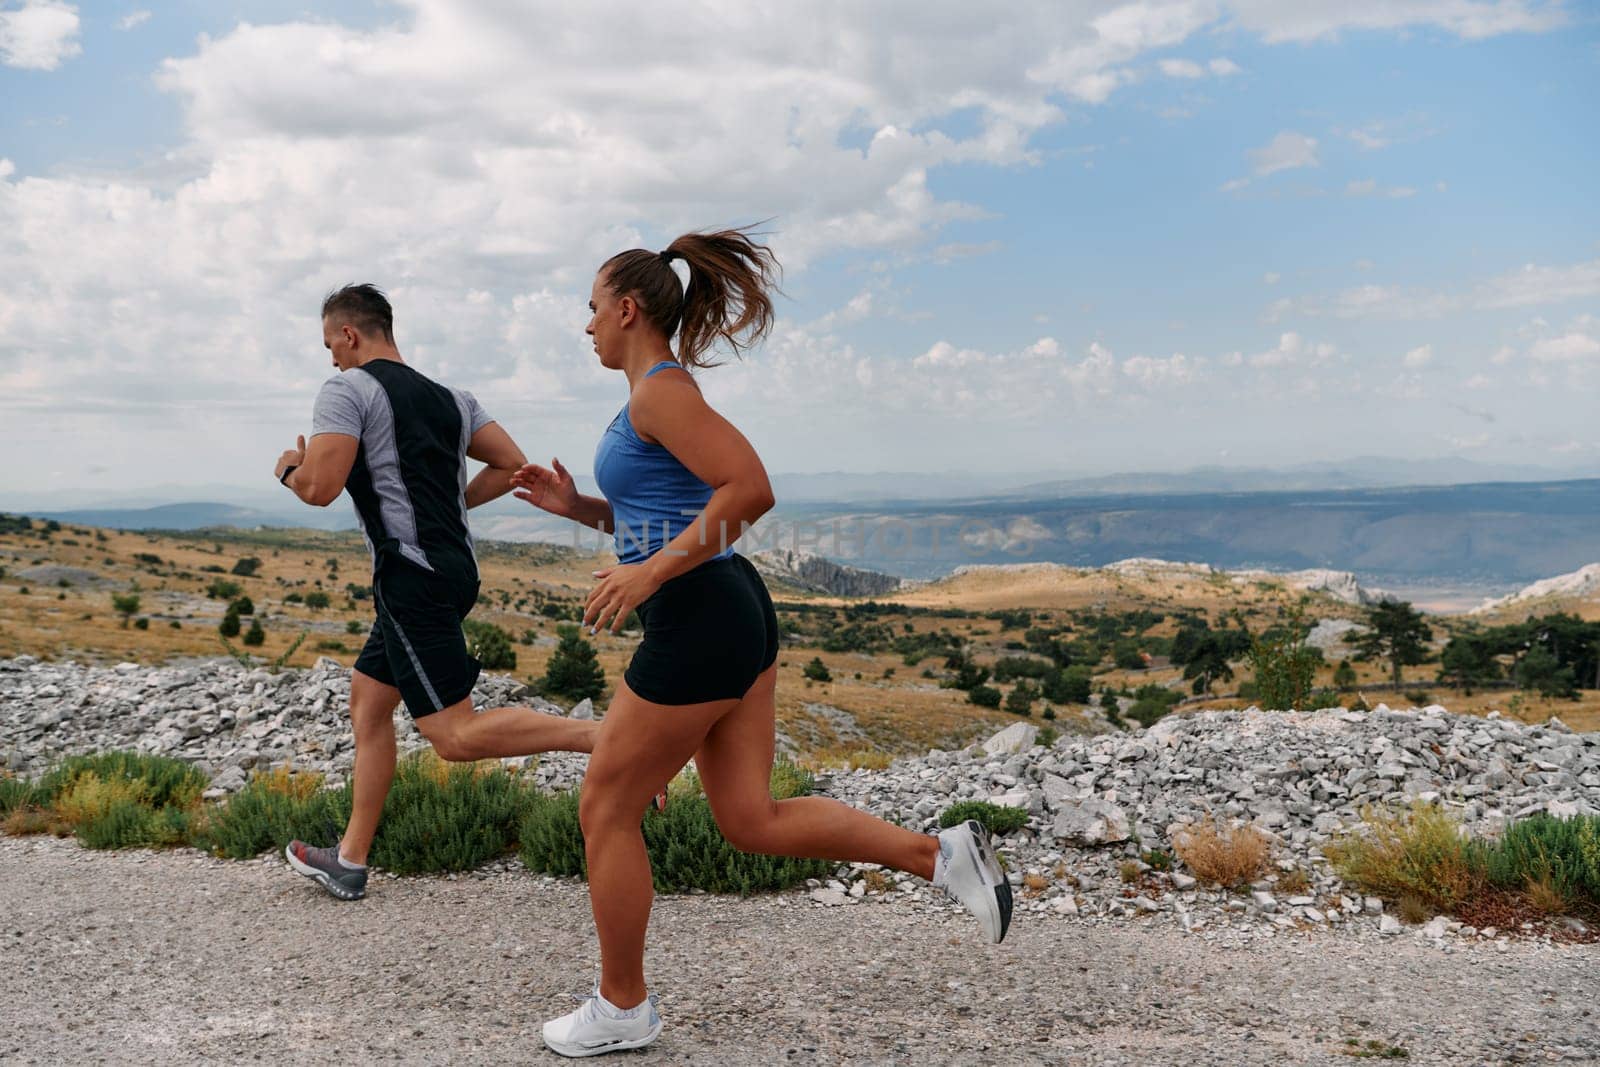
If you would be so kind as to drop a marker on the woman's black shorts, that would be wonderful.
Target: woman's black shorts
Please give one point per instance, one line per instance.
(707, 635)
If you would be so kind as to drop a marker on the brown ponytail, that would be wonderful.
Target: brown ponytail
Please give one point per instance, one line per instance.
(728, 299)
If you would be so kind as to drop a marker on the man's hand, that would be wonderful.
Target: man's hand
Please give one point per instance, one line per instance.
(548, 490)
(294, 457)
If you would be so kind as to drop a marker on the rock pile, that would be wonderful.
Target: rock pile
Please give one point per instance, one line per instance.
(226, 718)
(1097, 807)
(1299, 777)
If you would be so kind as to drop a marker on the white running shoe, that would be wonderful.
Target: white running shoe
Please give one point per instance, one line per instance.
(972, 875)
(593, 1031)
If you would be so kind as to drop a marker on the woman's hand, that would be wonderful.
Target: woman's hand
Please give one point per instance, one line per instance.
(549, 490)
(622, 588)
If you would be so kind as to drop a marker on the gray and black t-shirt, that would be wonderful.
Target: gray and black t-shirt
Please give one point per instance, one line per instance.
(409, 482)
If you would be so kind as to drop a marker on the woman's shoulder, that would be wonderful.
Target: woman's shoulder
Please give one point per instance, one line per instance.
(670, 392)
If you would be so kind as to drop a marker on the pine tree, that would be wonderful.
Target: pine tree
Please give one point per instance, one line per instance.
(255, 635)
(573, 671)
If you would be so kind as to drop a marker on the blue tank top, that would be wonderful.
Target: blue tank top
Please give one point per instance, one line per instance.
(648, 489)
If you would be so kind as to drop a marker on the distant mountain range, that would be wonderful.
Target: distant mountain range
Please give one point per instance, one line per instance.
(1507, 532)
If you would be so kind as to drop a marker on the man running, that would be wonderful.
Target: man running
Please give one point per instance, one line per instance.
(399, 442)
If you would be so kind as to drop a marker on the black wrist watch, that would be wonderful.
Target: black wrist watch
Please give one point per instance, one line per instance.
(284, 477)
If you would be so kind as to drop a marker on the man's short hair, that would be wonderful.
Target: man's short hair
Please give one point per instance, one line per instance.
(362, 306)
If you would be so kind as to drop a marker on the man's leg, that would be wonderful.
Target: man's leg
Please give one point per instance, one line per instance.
(372, 705)
(460, 734)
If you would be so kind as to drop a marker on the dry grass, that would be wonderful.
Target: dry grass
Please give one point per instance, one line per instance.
(1294, 882)
(1036, 881)
(1130, 871)
(25, 821)
(877, 881)
(1414, 911)
(1546, 897)
(1419, 851)
(1224, 856)
(287, 782)
(852, 759)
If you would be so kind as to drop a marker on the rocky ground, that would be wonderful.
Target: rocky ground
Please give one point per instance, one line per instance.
(124, 956)
(179, 958)
(1097, 806)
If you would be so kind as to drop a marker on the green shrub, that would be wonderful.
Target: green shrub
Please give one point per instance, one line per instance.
(1148, 712)
(1000, 820)
(1068, 686)
(269, 811)
(574, 672)
(686, 849)
(1562, 855)
(128, 823)
(229, 626)
(985, 696)
(123, 799)
(1285, 667)
(489, 645)
(255, 636)
(551, 840)
(126, 605)
(447, 816)
(222, 589)
(317, 601)
(354, 626)
(247, 568)
(243, 606)
(16, 793)
(1020, 700)
(141, 624)
(163, 781)
(817, 670)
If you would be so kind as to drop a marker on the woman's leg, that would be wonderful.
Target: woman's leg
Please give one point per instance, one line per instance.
(641, 746)
(735, 766)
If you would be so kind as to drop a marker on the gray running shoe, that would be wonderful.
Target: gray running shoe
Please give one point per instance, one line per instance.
(322, 865)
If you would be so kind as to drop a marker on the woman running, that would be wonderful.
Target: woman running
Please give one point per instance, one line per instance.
(680, 484)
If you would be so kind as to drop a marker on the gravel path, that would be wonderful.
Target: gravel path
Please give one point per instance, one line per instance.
(178, 958)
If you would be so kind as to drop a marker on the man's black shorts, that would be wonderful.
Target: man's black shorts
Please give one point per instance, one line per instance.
(416, 644)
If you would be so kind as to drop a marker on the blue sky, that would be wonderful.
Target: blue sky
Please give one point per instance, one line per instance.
(1081, 238)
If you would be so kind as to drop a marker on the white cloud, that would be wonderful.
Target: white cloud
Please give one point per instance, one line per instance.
(38, 35)
(1309, 20)
(481, 158)
(133, 19)
(1271, 277)
(1382, 133)
(1477, 382)
(1370, 187)
(1528, 286)
(1534, 284)
(1420, 356)
(1287, 151)
(1567, 348)
(1181, 68)
(1223, 67)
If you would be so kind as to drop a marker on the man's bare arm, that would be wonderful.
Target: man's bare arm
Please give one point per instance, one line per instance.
(502, 458)
(321, 468)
